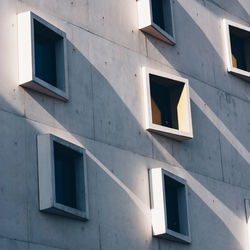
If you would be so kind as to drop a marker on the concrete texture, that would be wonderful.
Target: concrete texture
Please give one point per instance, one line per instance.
(105, 114)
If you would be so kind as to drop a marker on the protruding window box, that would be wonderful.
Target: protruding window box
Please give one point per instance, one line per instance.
(167, 104)
(62, 175)
(237, 38)
(42, 56)
(156, 18)
(169, 206)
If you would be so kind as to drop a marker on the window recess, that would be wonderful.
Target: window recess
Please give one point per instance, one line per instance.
(156, 19)
(237, 44)
(167, 104)
(42, 56)
(169, 206)
(62, 175)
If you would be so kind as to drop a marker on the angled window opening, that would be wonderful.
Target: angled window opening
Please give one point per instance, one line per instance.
(42, 56)
(162, 15)
(169, 206)
(45, 53)
(167, 105)
(68, 169)
(165, 96)
(156, 19)
(237, 44)
(175, 203)
(62, 177)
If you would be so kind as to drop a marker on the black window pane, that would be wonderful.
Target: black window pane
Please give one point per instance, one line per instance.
(161, 98)
(45, 53)
(65, 175)
(238, 53)
(165, 96)
(162, 15)
(171, 194)
(157, 8)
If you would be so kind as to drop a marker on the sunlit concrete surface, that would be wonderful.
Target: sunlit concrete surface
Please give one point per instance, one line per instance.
(105, 114)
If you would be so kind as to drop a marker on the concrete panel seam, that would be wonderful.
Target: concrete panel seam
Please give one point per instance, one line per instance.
(31, 242)
(126, 150)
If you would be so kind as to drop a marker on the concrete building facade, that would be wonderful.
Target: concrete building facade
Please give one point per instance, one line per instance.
(105, 114)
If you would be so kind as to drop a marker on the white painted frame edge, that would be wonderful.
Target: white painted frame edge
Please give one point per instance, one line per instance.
(64, 94)
(182, 237)
(158, 28)
(159, 174)
(149, 125)
(149, 20)
(230, 68)
(48, 140)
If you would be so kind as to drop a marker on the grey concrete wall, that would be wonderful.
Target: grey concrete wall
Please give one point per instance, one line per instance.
(105, 114)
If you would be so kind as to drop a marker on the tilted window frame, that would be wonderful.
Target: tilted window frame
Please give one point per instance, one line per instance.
(46, 177)
(243, 74)
(147, 24)
(26, 54)
(158, 206)
(186, 117)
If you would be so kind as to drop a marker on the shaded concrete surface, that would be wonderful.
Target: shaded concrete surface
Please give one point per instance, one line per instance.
(105, 114)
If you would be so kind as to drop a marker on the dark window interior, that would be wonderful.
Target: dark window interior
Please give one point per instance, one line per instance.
(165, 95)
(240, 47)
(172, 203)
(45, 53)
(162, 15)
(66, 175)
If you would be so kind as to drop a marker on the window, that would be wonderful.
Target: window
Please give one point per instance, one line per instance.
(42, 56)
(62, 177)
(237, 39)
(167, 104)
(247, 205)
(169, 206)
(247, 210)
(156, 18)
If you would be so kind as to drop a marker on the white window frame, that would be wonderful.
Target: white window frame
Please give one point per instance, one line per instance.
(46, 177)
(146, 23)
(185, 130)
(26, 51)
(158, 206)
(243, 74)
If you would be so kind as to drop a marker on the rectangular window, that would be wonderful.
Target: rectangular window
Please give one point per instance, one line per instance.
(240, 46)
(156, 19)
(167, 104)
(42, 56)
(237, 42)
(169, 206)
(162, 15)
(175, 200)
(165, 96)
(68, 170)
(63, 163)
(45, 53)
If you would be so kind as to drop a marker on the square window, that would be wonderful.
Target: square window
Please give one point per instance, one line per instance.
(42, 56)
(169, 206)
(167, 104)
(156, 18)
(62, 177)
(237, 39)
